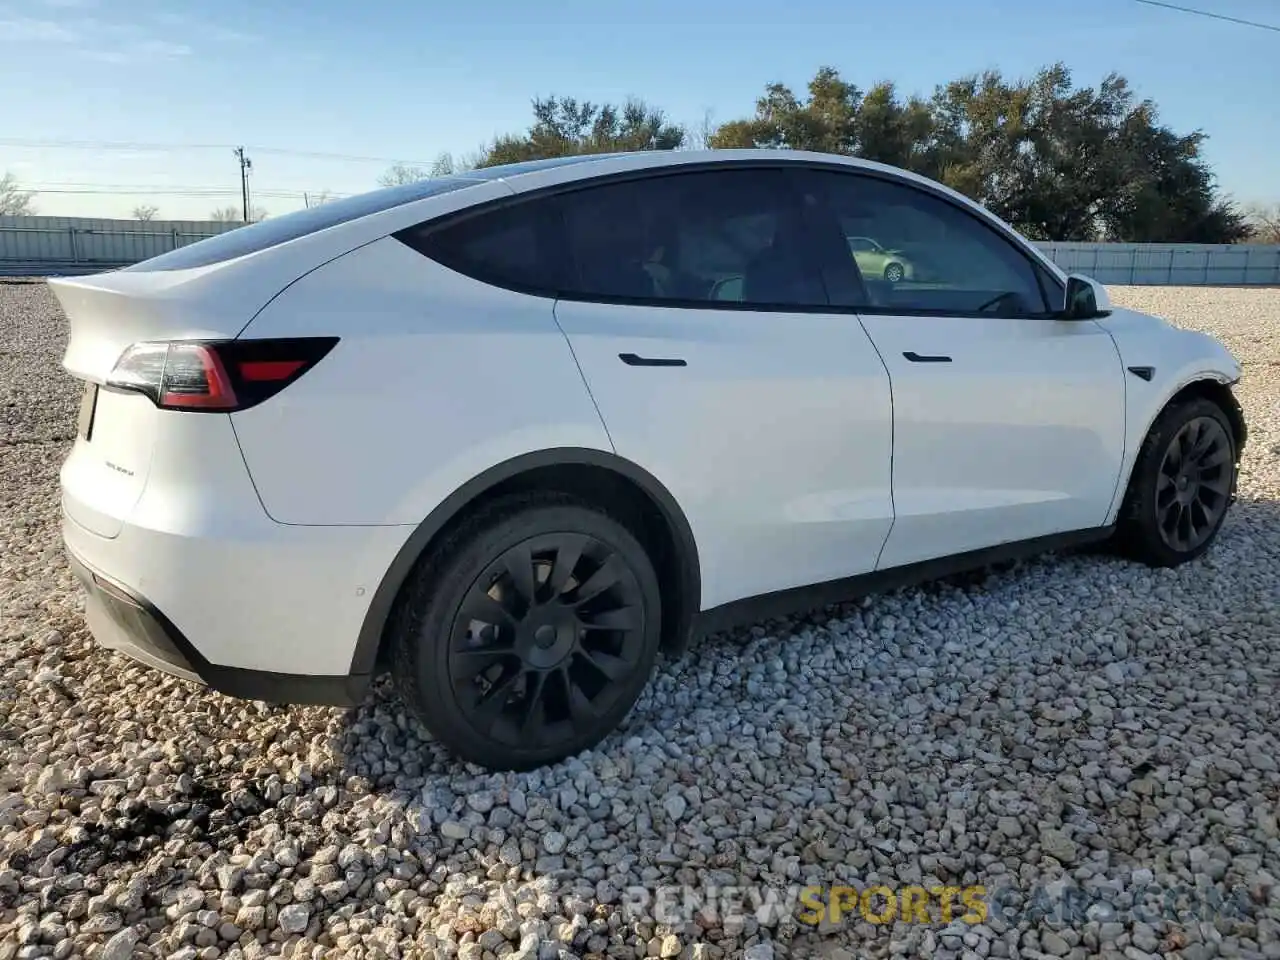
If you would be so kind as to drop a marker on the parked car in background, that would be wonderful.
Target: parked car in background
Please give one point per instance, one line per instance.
(508, 434)
(875, 261)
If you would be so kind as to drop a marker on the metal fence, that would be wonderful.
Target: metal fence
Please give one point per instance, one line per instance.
(37, 246)
(1170, 264)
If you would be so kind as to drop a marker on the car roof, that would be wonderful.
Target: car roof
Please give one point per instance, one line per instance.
(582, 166)
(564, 170)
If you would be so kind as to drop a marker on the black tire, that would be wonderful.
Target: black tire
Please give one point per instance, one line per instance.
(1177, 488)
(894, 272)
(575, 622)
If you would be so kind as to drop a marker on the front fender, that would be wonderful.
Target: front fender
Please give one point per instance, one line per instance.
(1176, 359)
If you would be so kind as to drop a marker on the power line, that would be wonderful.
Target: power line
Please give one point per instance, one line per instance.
(124, 190)
(1213, 16)
(165, 187)
(178, 147)
(109, 145)
(133, 193)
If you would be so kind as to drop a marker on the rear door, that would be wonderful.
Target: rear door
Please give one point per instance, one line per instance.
(1008, 423)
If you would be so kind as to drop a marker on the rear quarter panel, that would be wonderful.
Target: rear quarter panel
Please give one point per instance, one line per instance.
(436, 378)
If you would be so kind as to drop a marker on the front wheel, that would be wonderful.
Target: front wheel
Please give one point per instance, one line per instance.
(894, 272)
(529, 633)
(1182, 485)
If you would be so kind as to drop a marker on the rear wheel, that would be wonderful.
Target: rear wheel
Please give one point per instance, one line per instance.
(529, 633)
(1181, 487)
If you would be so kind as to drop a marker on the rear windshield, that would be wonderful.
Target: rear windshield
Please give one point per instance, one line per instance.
(254, 237)
(267, 233)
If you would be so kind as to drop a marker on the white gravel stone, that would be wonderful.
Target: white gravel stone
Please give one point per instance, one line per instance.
(120, 946)
(1076, 719)
(294, 918)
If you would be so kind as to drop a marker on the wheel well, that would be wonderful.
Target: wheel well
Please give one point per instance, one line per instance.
(1219, 393)
(1215, 392)
(668, 543)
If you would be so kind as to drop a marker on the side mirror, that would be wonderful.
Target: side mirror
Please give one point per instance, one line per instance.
(1086, 299)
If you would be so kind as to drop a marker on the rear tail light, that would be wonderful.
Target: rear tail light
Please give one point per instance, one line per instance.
(215, 376)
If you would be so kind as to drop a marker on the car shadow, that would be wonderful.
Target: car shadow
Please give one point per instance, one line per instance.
(1250, 534)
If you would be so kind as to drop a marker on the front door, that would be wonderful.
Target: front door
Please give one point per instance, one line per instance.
(1008, 424)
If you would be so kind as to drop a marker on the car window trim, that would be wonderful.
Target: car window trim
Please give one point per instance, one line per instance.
(956, 314)
(432, 225)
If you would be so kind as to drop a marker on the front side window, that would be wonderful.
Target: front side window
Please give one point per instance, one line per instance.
(930, 256)
(714, 237)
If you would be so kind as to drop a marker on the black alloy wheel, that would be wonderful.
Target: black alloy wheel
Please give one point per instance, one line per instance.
(1181, 487)
(544, 640)
(1193, 486)
(535, 635)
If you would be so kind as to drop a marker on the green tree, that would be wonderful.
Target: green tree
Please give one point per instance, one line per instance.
(564, 126)
(1056, 161)
(825, 122)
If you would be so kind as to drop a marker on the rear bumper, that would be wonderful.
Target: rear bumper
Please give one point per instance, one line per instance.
(188, 573)
(122, 620)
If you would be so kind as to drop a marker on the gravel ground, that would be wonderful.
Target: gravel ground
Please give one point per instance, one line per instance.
(1082, 737)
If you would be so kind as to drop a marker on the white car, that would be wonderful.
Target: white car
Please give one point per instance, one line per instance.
(509, 434)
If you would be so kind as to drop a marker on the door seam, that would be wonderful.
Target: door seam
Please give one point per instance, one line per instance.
(893, 441)
(582, 373)
(1117, 492)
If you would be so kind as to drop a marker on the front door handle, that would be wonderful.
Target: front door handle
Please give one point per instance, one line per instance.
(925, 358)
(634, 360)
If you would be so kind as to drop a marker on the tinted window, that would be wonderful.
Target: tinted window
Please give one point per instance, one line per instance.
(268, 233)
(728, 236)
(513, 246)
(932, 256)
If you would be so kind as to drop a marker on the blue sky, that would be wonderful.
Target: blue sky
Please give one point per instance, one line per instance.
(407, 79)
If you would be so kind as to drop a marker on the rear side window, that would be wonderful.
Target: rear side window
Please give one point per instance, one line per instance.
(702, 238)
(512, 246)
(725, 237)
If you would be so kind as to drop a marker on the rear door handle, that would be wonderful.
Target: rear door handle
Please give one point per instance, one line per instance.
(634, 360)
(925, 358)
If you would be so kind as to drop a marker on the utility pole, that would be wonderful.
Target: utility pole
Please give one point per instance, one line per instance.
(245, 166)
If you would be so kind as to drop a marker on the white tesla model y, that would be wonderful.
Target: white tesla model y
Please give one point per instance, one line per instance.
(510, 433)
